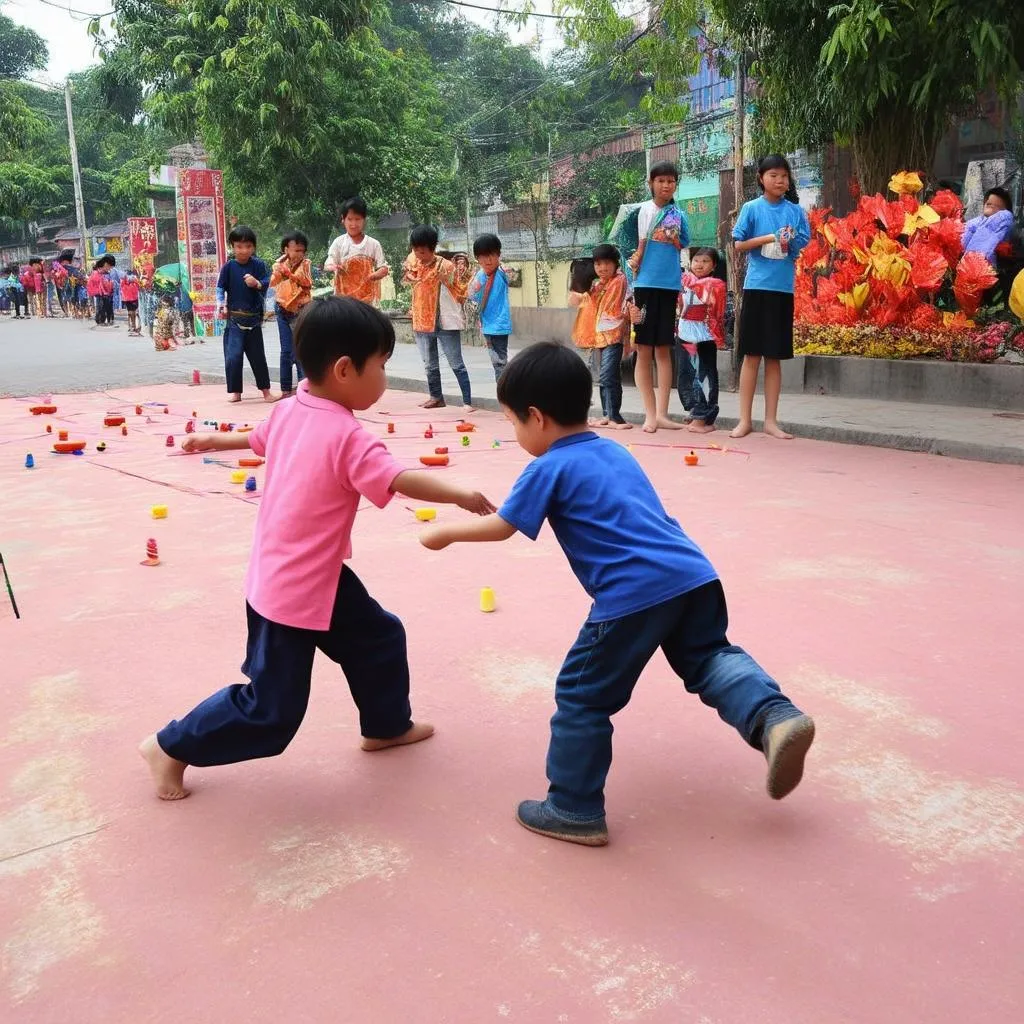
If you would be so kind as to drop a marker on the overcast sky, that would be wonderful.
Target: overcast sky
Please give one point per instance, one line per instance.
(71, 47)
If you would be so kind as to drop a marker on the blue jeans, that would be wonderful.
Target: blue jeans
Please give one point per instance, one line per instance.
(602, 667)
(259, 718)
(497, 349)
(451, 343)
(245, 340)
(703, 381)
(284, 331)
(684, 377)
(610, 383)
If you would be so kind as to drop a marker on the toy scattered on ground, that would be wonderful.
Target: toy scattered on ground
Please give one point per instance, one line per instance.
(238, 476)
(152, 555)
(40, 410)
(250, 483)
(243, 429)
(441, 451)
(692, 459)
(464, 427)
(190, 427)
(252, 461)
(434, 460)
(124, 429)
(49, 428)
(391, 428)
(428, 434)
(210, 460)
(30, 463)
(487, 603)
(425, 515)
(195, 378)
(62, 435)
(166, 410)
(138, 410)
(170, 441)
(496, 443)
(225, 428)
(158, 511)
(112, 421)
(10, 589)
(102, 446)
(465, 440)
(69, 447)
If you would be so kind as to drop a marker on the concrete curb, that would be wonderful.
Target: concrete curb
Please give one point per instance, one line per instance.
(949, 447)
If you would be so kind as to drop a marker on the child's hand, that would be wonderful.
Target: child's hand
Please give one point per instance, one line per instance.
(475, 502)
(251, 281)
(222, 312)
(634, 261)
(198, 443)
(636, 314)
(435, 538)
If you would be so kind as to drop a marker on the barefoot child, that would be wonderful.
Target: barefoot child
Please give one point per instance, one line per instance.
(602, 325)
(300, 595)
(772, 230)
(292, 277)
(241, 290)
(489, 291)
(661, 228)
(130, 300)
(701, 335)
(651, 586)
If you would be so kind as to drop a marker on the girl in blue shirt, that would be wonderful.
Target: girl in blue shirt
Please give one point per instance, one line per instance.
(772, 230)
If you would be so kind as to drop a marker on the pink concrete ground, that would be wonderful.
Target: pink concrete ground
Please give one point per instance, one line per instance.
(883, 589)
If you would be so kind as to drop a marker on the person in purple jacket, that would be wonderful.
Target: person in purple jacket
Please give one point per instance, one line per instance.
(983, 234)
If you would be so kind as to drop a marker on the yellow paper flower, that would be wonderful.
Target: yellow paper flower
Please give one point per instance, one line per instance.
(922, 218)
(856, 297)
(956, 320)
(906, 183)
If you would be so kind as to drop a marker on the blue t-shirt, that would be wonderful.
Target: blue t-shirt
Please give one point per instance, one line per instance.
(665, 229)
(244, 303)
(625, 549)
(496, 316)
(768, 268)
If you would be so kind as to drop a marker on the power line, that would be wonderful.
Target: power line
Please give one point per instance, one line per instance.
(520, 14)
(72, 10)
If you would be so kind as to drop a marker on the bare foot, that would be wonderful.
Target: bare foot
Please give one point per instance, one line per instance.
(269, 396)
(166, 771)
(468, 408)
(667, 424)
(597, 423)
(650, 426)
(774, 430)
(700, 427)
(622, 426)
(740, 430)
(419, 731)
(287, 394)
(235, 398)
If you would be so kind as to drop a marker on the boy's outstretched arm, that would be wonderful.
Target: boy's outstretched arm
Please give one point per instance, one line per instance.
(216, 442)
(423, 486)
(490, 528)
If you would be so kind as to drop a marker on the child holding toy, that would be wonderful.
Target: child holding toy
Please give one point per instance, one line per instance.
(651, 586)
(300, 595)
(701, 335)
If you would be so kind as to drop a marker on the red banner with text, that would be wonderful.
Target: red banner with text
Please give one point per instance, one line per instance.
(142, 243)
(201, 243)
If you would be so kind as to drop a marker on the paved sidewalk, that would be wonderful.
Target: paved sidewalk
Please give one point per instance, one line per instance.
(58, 356)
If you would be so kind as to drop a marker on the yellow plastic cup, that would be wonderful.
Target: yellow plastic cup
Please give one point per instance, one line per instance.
(487, 603)
(238, 476)
(425, 515)
(158, 511)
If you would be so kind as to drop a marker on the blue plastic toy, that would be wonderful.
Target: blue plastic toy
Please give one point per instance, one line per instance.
(250, 483)
(30, 463)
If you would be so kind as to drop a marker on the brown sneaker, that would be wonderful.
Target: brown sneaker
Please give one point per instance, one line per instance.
(785, 746)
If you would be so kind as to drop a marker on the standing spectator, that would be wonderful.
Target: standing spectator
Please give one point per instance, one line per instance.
(356, 259)
(292, 277)
(147, 297)
(185, 312)
(130, 298)
(489, 291)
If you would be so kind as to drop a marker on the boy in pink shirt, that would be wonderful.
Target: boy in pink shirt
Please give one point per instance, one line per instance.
(300, 595)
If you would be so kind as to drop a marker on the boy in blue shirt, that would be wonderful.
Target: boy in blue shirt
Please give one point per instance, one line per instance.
(241, 290)
(489, 290)
(651, 585)
(662, 234)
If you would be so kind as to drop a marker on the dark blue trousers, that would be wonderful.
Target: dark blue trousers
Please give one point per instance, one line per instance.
(285, 321)
(603, 666)
(245, 339)
(260, 718)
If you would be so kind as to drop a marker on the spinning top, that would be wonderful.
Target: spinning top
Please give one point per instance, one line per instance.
(465, 440)
(30, 463)
(170, 441)
(250, 483)
(152, 557)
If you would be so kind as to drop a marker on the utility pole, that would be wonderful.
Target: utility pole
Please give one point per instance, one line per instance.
(737, 198)
(76, 173)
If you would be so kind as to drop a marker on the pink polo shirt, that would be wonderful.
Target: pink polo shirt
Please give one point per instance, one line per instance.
(320, 462)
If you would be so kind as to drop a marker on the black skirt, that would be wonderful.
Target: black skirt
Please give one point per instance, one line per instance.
(766, 324)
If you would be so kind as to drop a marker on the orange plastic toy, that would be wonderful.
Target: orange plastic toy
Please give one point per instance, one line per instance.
(113, 421)
(434, 460)
(440, 451)
(465, 428)
(692, 459)
(67, 447)
(62, 435)
(39, 410)
(250, 462)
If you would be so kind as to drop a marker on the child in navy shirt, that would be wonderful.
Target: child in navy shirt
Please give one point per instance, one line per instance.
(241, 291)
(651, 586)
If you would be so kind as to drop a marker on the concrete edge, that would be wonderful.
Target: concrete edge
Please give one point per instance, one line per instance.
(949, 447)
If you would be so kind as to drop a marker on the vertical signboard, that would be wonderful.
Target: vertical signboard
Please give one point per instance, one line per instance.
(142, 242)
(201, 244)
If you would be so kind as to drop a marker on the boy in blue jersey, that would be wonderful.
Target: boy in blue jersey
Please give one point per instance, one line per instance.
(651, 586)
(489, 291)
(241, 291)
(662, 234)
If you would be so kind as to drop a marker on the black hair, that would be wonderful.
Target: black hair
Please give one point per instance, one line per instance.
(706, 251)
(294, 236)
(582, 275)
(1002, 195)
(66, 254)
(605, 251)
(550, 377)
(99, 263)
(242, 233)
(423, 234)
(33, 260)
(357, 205)
(487, 245)
(663, 169)
(777, 162)
(111, 261)
(328, 329)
